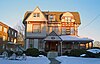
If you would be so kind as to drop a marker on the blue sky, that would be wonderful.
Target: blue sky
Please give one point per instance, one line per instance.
(12, 12)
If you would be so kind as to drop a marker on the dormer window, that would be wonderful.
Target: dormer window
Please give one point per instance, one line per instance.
(36, 15)
(51, 18)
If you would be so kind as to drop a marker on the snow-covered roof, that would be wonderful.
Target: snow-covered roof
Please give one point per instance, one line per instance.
(74, 38)
(94, 50)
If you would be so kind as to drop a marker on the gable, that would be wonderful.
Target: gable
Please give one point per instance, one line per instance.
(52, 37)
(40, 17)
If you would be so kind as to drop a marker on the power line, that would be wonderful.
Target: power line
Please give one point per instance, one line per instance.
(90, 22)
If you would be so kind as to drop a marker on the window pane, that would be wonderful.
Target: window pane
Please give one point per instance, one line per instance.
(34, 14)
(38, 14)
(36, 28)
(0, 28)
(5, 30)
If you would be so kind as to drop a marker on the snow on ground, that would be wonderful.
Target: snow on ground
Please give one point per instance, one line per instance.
(94, 50)
(78, 60)
(29, 60)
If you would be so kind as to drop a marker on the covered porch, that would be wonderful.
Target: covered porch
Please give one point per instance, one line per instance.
(63, 43)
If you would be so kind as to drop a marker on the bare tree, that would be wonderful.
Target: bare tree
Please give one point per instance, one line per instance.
(20, 28)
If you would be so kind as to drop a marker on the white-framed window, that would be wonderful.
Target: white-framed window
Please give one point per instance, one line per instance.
(51, 18)
(15, 34)
(4, 38)
(31, 43)
(72, 30)
(56, 29)
(0, 28)
(36, 15)
(36, 28)
(11, 39)
(12, 32)
(5, 30)
(15, 40)
(63, 30)
(40, 44)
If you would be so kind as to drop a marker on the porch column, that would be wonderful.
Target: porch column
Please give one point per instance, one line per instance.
(61, 47)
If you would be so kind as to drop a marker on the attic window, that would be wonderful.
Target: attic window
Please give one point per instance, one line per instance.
(36, 15)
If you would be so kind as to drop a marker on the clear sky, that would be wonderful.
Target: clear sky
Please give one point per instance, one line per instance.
(12, 12)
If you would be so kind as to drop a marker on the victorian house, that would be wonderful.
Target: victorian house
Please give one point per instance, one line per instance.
(53, 31)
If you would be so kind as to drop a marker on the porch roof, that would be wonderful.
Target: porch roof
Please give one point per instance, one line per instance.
(75, 38)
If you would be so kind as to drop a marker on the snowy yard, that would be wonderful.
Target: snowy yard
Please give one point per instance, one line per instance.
(29, 60)
(78, 60)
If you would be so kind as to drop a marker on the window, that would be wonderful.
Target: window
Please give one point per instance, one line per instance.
(15, 40)
(5, 30)
(12, 32)
(9, 31)
(36, 27)
(15, 34)
(40, 44)
(8, 39)
(31, 43)
(11, 39)
(4, 38)
(51, 18)
(63, 30)
(55, 29)
(36, 15)
(72, 30)
(0, 28)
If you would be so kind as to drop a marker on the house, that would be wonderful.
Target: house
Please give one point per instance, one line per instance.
(7, 34)
(53, 31)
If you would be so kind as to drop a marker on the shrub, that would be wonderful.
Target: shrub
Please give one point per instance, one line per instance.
(77, 52)
(66, 53)
(92, 55)
(19, 53)
(42, 53)
(9, 52)
(1, 51)
(32, 52)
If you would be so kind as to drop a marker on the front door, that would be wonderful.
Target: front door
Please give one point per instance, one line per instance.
(52, 45)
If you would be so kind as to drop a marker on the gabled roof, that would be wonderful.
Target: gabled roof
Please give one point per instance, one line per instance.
(57, 14)
(52, 37)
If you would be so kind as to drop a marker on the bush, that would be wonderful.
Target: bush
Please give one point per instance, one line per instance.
(19, 53)
(9, 52)
(42, 53)
(77, 52)
(32, 52)
(92, 55)
(66, 53)
(1, 51)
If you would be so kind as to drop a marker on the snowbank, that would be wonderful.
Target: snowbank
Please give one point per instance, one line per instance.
(29, 60)
(94, 50)
(77, 60)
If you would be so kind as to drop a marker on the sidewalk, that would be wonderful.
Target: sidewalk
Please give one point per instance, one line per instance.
(54, 61)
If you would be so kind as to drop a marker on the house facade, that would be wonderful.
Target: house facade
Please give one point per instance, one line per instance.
(7, 34)
(53, 31)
